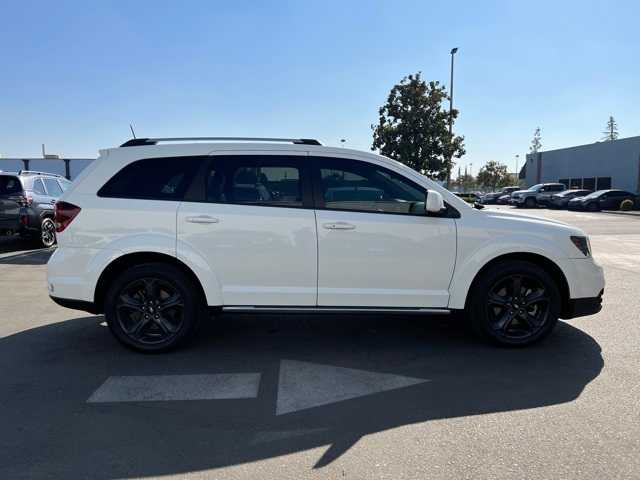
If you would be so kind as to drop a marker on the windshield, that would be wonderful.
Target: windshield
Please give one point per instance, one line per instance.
(537, 187)
(595, 194)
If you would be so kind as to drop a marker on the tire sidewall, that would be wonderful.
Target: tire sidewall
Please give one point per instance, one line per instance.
(193, 305)
(481, 288)
(42, 227)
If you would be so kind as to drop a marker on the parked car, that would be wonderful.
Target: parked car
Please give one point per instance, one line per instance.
(537, 195)
(492, 198)
(156, 234)
(504, 199)
(603, 200)
(468, 197)
(26, 204)
(561, 200)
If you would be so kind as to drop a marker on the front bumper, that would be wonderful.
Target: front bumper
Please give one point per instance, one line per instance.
(76, 304)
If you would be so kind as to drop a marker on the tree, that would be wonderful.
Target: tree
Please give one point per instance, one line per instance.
(413, 127)
(465, 182)
(536, 143)
(611, 133)
(494, 175)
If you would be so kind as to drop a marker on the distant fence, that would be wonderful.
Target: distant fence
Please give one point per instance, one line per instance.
(68, 167)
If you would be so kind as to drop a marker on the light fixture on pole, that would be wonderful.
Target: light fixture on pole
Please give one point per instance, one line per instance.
(453, 52)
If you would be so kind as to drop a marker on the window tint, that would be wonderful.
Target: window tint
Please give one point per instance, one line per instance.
(10, 185)
(52, 186)
(254, 181)
(353, 185)
(38, 187)
(153, 178)
(619, 193)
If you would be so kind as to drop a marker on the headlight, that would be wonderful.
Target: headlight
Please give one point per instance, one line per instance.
(582, 244)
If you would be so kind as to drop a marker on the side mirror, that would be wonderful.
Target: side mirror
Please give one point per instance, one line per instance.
(434, 203)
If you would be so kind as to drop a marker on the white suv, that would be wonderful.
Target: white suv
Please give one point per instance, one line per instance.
(159, 232)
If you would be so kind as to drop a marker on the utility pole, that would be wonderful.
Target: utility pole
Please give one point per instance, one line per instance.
(517, 171)
(453, 52)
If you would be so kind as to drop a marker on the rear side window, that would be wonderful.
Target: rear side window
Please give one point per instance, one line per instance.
(255, 180)
(153, 179)
(52, 186)
(10, 185)
(38, 187)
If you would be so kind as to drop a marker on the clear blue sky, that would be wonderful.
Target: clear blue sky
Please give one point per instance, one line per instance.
(74, 74)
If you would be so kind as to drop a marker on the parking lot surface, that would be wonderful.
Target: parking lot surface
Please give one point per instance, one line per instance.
(294, 397)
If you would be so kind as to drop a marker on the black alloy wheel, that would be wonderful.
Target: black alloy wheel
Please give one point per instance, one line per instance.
(48, 233)
(517, 306)
(153, 307)
(150, 310)
(514, 303)
(530, 202)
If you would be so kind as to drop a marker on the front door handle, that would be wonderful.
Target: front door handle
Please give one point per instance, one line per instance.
(202, 219)
(339, 226)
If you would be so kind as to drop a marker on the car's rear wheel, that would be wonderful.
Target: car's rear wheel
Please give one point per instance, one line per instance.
(153, 307)
(514, 303)
(48, 233)
(530, 202)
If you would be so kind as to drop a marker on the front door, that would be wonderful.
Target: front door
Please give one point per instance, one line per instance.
(376, 245)
(255, 228)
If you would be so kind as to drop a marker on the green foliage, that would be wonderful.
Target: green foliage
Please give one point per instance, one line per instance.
(536, 143)
(494, 175)
(465, 182)
(413, 127)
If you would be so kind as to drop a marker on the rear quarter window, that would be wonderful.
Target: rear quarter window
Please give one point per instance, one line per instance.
(153, 179)
(10, 185)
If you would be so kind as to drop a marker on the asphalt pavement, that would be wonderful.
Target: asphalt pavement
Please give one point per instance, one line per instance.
(316, 396)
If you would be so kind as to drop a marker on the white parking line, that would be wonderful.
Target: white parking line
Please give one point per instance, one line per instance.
(305, 385)
(155, 388)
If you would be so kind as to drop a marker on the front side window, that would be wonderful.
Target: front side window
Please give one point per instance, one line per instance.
(268, 181)
(360, 186)
(153, 179)
(53, 189)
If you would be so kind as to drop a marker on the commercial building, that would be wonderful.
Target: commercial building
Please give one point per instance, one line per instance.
(68, 167)
(598, 166)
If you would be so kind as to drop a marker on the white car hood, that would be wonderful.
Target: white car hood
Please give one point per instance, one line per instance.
(530, 218)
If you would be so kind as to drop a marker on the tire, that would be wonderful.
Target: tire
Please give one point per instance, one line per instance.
(134, 308)
(505, 319)
(530, 202)
(47, 232)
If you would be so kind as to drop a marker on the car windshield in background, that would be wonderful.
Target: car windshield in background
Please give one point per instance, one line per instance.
(9, 185)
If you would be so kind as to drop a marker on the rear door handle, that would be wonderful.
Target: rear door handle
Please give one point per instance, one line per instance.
(202, 219)
(339, 226)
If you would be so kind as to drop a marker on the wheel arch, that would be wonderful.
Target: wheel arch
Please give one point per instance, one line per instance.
(128, 260)
(545, 263)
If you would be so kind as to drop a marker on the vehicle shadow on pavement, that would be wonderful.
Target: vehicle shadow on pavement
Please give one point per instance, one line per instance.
(49, 373)
(34, 257)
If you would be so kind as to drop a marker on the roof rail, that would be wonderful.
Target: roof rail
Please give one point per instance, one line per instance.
(137, 142)
(33, 172)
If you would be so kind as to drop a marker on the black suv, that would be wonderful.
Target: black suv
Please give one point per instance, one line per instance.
(26, 204)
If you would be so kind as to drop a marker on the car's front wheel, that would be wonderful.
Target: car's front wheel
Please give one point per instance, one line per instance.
(530, 202)
(153, 307)
(514, 303)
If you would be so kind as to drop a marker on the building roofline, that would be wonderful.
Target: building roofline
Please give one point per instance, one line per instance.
(606, 142)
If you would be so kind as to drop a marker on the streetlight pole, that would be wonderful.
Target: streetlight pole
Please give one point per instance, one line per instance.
(517, 171)
(453, 52)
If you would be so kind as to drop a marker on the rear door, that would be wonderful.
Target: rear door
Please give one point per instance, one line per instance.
(252, 221)
(54, 191)
(377, 247)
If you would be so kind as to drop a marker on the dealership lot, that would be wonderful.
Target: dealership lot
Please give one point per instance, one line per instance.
(317, 396)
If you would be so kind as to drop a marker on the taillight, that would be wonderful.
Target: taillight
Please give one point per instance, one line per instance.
(64, 213)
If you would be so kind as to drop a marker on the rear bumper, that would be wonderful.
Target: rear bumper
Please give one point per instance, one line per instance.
(580, 307)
